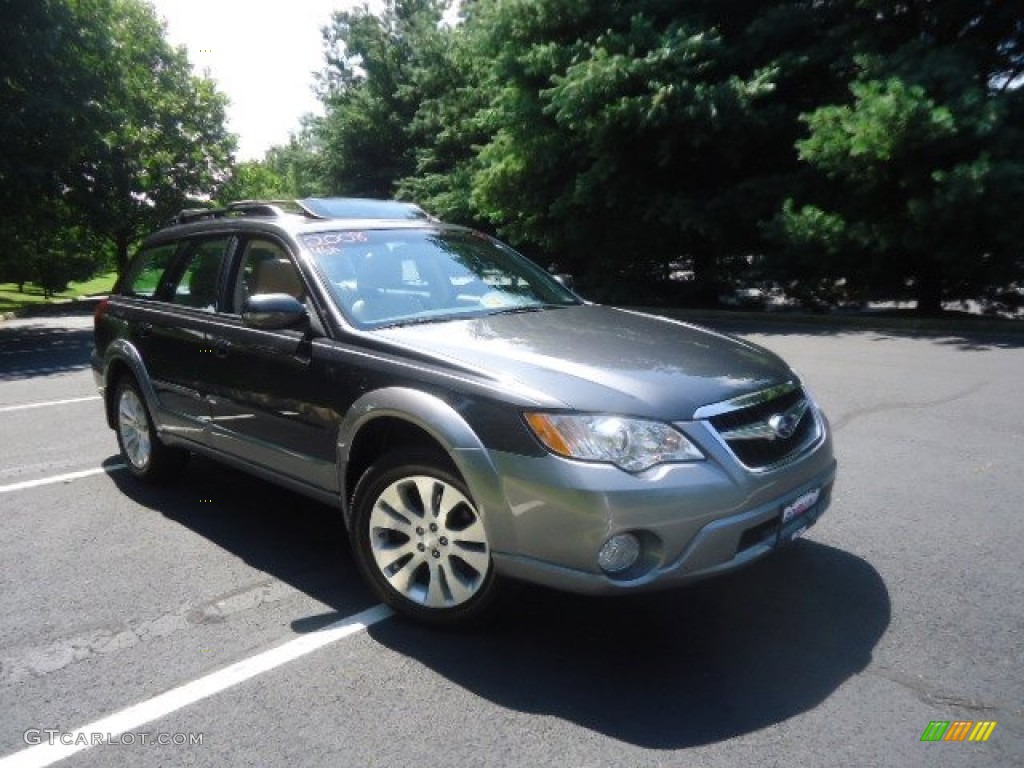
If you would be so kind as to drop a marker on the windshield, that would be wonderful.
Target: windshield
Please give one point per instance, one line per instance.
(404, 276)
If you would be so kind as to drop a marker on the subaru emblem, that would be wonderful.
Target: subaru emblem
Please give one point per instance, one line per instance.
(785, 424)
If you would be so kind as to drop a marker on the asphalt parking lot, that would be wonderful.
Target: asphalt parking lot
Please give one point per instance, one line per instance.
(225, 606)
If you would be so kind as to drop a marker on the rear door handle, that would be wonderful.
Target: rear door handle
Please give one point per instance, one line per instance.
(222, 348)
(145, 330)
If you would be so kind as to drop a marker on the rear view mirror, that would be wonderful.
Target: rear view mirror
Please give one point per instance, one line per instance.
(273, 311)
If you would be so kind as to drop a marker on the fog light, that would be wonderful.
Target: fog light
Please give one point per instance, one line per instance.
(619, 553)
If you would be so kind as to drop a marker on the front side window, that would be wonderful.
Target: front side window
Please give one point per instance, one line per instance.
(265, 268)
(199, 282)
(393, 277)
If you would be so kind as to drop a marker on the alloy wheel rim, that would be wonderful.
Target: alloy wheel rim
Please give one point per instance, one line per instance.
(134, 428)
(428, 542)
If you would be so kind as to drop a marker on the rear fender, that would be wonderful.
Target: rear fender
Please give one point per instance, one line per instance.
(121, 355)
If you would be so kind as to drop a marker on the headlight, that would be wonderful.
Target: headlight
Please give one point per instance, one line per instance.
(631, 444)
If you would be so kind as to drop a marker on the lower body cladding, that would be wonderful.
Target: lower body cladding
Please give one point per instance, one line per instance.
(594, 529)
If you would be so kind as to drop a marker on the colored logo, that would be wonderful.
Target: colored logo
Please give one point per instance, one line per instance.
(958, 730)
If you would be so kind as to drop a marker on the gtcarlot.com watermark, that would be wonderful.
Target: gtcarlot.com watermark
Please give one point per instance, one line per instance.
(55, 736)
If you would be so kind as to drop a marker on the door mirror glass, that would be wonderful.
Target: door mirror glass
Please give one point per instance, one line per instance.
(273, 311)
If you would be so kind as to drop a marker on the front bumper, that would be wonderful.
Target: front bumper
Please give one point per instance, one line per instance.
(693, 520)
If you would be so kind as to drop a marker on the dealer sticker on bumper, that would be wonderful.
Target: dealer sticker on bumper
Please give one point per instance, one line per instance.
(800, 506)
(798, 516)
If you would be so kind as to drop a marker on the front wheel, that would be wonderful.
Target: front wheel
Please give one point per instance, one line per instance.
(419, 539)
(145, 454)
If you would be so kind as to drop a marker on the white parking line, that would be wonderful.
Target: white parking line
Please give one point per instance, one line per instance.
(47, 403)
(147, 711)
(66, 478)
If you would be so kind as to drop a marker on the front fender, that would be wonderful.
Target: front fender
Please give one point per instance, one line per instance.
(451, 431)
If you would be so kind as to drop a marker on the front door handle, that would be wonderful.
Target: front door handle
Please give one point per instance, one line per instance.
(222, 348)
(146, 329)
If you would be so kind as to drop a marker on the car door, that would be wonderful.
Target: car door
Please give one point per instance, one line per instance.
(171, 326)
(269, 393)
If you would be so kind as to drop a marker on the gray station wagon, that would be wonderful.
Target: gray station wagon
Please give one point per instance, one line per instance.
(471, 418)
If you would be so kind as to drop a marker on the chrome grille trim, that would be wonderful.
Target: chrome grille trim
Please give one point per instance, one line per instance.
(740, 439)
(764, 430)
(745, 401)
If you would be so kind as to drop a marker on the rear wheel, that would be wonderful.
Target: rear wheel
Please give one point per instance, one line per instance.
(145, 454)
(419, 539)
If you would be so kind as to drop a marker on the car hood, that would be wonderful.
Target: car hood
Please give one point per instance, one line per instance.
(595, 358)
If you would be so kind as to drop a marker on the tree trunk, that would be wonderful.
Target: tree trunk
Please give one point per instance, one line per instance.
(121, 241)
(705, 277)
(929, 291)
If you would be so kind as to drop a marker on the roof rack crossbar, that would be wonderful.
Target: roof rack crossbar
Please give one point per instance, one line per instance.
(238, 208)
(311, 207)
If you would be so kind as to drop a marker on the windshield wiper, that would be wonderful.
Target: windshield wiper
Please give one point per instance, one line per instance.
(526, 308)
(418, 321)
(468, 316)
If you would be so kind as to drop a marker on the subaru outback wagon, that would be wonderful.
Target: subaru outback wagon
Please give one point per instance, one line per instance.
(471, 418)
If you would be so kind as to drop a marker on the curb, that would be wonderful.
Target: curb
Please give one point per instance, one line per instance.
(914, 325)
(55, 307)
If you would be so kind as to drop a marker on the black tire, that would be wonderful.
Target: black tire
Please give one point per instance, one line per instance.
(428, 559)
(145, 454)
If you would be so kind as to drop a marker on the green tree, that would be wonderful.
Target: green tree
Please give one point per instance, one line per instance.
(100, 116)
(300, 162)
(455, 88)
(616, 138)
(914, 176)
(368, 94)
(630, 135)
(50, 94)
(253, 180)
(286, 172)
(160, 139)
(50, 247)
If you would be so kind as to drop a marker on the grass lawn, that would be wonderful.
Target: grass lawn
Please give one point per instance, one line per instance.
(11, 300)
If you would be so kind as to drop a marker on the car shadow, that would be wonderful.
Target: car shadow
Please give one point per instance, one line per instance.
(283, 534)
(676, 669)
(665, 671)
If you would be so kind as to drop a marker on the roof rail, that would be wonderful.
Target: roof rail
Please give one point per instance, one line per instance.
(310, 207)
(237, 208)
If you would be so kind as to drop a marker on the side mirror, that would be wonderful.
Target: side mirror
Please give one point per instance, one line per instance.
(565, 279)
(272, 311)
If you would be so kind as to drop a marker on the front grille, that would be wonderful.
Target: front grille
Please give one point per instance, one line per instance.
(757, 413)
(747, 432)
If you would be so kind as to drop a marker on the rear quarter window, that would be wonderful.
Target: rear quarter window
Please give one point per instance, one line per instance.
(148, 271)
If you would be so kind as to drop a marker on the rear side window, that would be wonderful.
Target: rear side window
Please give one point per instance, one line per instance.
(149, 269)
(199, 283)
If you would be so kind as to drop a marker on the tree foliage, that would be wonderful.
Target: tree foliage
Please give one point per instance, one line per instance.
(858, 145)
(300, 163)
(853, 146)
(49, 97)
(161, 138)
(102, 121)
(918, 170)
(369, 88)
